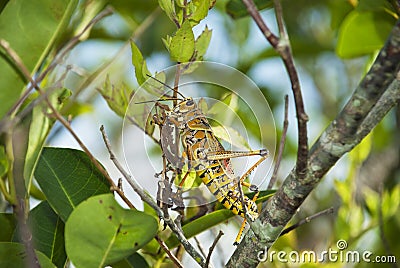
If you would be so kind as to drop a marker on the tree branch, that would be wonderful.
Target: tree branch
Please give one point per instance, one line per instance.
(283, 48)
(376, 94)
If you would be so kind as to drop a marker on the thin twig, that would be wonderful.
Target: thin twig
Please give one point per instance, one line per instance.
(200, 246)
(169, 253)
(279, 18)
(282, 46)
(281, 146)
(210, 251)
(307, 220)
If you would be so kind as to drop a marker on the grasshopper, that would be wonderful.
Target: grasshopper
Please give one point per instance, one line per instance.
(204, 153)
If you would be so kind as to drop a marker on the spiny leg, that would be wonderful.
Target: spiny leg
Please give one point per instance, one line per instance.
(221, 155)
(252, 187)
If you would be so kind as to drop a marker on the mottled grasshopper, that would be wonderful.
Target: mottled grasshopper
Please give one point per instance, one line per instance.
(204, 153)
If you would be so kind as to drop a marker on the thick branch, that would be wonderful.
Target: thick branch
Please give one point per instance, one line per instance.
(377, 93)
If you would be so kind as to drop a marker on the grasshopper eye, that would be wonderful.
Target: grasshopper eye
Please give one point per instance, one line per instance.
(189, 102)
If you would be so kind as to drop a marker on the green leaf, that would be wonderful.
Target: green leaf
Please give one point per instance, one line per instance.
(363, 33)
(169, 9)
(39, 129)
(139, 63)
(14, 255)
(8, 224)
(182, 44)
(100, 232)
(236, 9)
(3, 162)
(48, 233)
(67, 177)
(202, 43)
(40, 23)
(134, 261)
(232, 136)
(200, 11)
(117, 97)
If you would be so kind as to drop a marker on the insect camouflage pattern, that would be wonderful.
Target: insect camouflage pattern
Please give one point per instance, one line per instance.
(206, 155)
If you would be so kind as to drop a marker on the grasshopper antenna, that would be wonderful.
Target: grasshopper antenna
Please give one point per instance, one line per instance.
(167, 99)
(161, 82)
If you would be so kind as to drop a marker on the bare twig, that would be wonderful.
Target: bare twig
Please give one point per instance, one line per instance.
(279, 18)
(307, 220)
(282, 46)
(281, 146)
(169, 253)
(200, 247)
(212, 247)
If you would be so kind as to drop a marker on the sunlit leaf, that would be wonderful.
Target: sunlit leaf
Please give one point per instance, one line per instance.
(202, 43)
(200, 10)
(117, 97)
(182, 43)
(231, 136)
(169, 9)
(363, 33)
(100, 232)
(139, 63)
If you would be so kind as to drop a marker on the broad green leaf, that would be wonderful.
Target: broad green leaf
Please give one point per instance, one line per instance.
(100, 232)
(236, 9)
(48, 233)
(363, 33)
(205, 222)
(3, 162)
(182, 44)
(134, 261)
(67, 177)
(202, 43)
(8, 224)
(139, 63)
(14, 255)
(117, 97)
(39, 129)
(39, 23)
